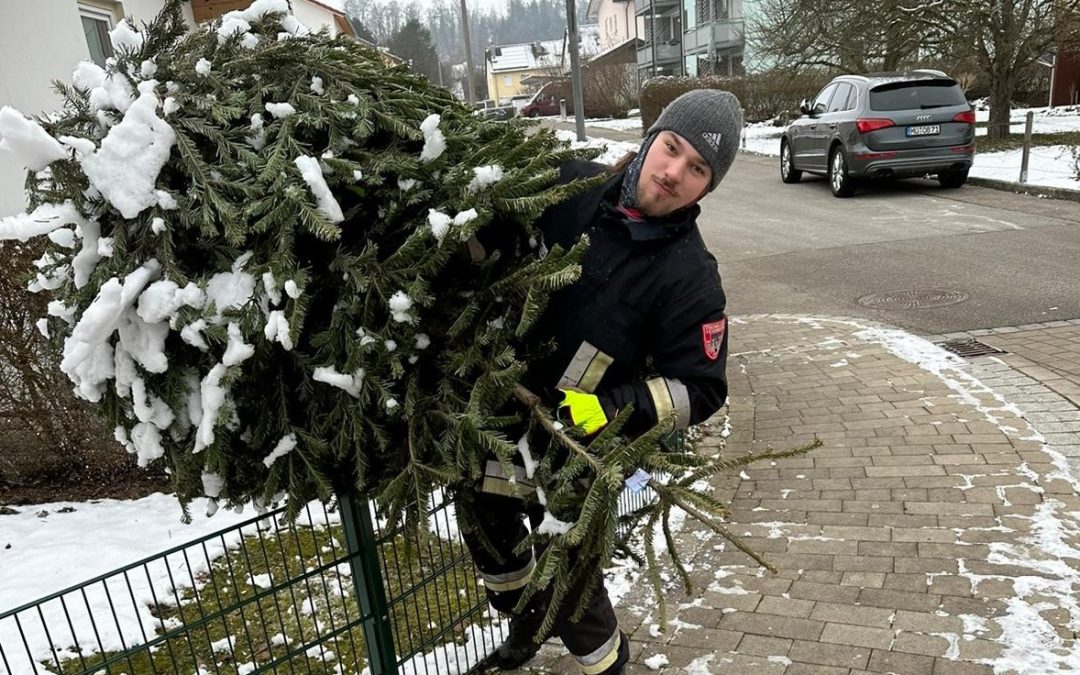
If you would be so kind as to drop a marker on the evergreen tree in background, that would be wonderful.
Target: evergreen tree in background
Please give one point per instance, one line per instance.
(362, 31)
(412, 42)
(287, 271)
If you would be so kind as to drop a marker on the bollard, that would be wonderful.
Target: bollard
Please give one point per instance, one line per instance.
(562, 109)
(1027, 147)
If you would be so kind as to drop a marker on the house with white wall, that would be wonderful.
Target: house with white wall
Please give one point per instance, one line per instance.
(42, 41)
(616, 21)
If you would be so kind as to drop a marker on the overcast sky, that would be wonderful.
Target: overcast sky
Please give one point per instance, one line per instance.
(470, 4)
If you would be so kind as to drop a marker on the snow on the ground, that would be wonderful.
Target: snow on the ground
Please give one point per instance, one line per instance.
(613, 150)
(1049, 166)
(1045, 120)
(43, 554)
(52, 552)
(627, 124)
(1030, 642)
(453, 658)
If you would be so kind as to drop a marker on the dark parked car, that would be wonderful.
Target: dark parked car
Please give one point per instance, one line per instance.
(882, 125)
(546, 101)
(500, 113)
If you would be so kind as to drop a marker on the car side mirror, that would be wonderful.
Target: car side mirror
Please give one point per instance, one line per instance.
(804, 107)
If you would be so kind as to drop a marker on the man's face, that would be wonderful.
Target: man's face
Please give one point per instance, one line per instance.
(673, 176)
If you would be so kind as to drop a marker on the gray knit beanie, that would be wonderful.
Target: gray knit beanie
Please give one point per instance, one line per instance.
(711, 120)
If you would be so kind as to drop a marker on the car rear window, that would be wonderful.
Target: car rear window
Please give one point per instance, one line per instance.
(916, 95)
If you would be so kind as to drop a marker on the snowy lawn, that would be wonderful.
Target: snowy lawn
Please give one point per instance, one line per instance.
(211, 580)
(1051, 164)
(628, 124)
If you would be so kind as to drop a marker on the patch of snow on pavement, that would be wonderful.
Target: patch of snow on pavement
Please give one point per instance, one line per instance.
(1031, 643)
(656, 661)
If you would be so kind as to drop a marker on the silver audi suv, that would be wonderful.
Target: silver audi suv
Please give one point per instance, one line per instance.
(882, 125)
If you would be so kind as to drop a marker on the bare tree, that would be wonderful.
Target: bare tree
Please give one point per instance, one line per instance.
(844, 35)
(609, 90)
(1004, 37)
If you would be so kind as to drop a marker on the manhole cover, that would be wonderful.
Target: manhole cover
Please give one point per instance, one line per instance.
(915, 298)
(969, 348)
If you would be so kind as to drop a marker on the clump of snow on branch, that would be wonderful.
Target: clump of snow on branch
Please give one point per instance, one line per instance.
(32, 146)
(126, 166)
(124, 38)
(284, 447)
(400, 304)
(350, 383)
(280, 110)
(42, 220)
(324, 198)
(434, 140)
(485, 176)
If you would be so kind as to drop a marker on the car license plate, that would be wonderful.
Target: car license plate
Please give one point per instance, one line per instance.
(926, 130)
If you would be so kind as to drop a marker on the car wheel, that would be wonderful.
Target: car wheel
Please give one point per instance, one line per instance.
(788, 172)
(840, 182)
(953, 179)
(533, 113)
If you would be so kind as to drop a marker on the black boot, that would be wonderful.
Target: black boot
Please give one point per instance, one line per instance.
(520, 645)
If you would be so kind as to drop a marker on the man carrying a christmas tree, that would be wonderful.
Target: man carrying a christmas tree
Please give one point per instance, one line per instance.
(643, 329)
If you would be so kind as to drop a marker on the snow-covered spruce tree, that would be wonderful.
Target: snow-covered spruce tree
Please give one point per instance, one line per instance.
(266, 259)
(288, 270)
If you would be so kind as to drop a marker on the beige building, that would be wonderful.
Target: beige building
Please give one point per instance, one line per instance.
(43, 40)
(616, 22)
(517, 70)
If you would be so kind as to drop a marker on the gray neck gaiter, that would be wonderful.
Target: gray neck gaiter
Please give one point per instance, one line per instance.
(628, 196)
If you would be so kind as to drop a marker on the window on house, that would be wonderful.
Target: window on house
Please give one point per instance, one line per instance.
(508, 80)
(97, 23)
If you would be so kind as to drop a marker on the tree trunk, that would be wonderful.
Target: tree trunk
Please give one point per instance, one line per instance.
(1001, 90)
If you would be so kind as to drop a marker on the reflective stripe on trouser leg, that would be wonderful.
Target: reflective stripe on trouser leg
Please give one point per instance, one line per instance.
(496, 482)
(509, 581)
(590, 639)
(670, 396)
(586, 369)
(603, 657)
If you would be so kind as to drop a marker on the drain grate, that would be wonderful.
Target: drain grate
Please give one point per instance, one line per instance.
(969, 348)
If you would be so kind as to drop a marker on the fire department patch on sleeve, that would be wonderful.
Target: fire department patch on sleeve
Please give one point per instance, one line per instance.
(712, 336)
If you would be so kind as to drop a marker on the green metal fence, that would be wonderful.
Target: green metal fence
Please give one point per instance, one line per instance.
(329, 593)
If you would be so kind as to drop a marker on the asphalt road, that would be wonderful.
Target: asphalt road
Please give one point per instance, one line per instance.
(1010, 259)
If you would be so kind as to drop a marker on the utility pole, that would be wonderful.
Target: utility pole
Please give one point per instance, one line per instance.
(470, 91)
(575, 68)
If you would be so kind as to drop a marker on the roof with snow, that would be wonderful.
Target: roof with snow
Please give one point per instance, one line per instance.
(542, 55)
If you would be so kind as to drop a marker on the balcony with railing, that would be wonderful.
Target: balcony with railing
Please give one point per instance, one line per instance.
(657, 6)
(717, 34)
(666, 51)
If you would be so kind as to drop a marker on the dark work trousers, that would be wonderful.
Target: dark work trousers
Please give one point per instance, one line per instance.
(594, 641)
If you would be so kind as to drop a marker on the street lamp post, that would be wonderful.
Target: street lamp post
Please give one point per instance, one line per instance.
(470, 91)
(575, 69)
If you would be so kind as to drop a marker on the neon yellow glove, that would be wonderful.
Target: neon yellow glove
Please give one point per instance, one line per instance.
(585, 410)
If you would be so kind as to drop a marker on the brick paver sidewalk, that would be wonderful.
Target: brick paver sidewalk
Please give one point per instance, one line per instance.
(933, 533)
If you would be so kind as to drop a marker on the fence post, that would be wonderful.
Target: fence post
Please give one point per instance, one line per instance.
(1027, 147)
(367, 579)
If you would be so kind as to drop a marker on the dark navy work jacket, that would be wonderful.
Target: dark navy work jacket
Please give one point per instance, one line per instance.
(645, 323)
